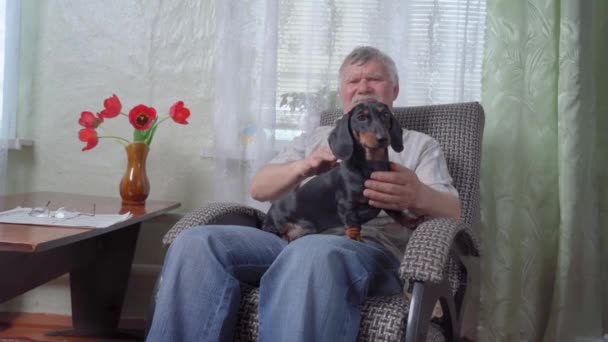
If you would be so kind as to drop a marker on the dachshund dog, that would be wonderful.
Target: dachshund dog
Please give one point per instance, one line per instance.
(334, 198)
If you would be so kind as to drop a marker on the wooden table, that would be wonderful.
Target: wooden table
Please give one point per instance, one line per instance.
(98, 260)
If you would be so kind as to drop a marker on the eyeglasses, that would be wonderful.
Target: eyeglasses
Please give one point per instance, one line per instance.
(60, 213)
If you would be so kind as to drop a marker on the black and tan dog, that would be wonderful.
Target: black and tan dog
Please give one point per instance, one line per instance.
(360, 139)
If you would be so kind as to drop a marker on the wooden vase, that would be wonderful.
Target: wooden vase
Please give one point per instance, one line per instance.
(134, 186)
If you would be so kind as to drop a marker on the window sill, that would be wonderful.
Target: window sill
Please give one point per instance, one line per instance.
(19, 143)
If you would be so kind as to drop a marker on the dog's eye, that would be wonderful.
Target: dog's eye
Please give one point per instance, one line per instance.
(361, 117)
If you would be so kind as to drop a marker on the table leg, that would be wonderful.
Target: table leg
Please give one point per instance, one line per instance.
(98, 288)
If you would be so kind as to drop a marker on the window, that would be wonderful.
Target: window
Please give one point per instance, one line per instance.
(436, 44)
(9, 66)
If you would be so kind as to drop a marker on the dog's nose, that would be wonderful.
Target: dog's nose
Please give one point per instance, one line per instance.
(382, 139)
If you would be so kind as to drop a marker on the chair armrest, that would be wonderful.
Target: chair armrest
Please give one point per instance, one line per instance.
(219, 213)
(428, 249)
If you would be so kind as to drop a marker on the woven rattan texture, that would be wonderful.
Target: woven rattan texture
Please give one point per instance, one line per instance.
(382, 319)
(210, 214)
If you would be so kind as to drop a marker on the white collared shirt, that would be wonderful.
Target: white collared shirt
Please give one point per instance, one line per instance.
(421, 153)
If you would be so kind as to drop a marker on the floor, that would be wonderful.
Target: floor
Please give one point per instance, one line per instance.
(33, 326)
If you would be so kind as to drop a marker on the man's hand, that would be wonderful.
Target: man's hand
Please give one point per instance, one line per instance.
(397, 189)
(319, 161)
(273, 181)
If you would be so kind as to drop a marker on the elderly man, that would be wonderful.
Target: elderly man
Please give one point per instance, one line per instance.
(310, 289)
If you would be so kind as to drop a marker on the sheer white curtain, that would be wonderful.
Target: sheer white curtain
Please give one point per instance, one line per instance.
(9, 66)
(277, 64)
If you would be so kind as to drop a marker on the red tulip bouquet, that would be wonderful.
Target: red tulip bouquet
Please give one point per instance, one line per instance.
(142, 118)
(134, 186)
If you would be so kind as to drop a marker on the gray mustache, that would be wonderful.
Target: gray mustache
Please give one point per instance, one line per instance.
(358, 98)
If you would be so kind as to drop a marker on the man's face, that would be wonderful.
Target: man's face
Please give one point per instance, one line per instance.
(362, 82)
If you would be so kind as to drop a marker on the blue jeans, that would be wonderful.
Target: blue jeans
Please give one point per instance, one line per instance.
(310, 289)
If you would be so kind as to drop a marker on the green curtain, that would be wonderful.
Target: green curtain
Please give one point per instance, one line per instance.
(544, 171)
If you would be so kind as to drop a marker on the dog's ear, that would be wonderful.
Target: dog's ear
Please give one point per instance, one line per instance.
(396, 133)
(340, 139)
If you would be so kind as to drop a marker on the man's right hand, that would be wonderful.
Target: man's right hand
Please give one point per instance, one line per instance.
(319, 161)
(275, 180)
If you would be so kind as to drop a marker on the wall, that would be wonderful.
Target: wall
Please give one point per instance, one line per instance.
(77, 53)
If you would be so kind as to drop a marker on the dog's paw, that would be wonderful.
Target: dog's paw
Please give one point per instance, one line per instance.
(354, 234)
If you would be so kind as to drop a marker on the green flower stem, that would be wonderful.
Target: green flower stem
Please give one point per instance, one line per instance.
(163, 119)
(119, 140)
(148, 140)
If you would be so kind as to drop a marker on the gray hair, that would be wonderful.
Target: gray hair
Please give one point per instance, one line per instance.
(363, 54)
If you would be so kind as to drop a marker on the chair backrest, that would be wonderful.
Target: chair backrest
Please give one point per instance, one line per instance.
(458, 128)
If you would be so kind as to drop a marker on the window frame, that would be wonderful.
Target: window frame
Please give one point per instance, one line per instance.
(10, 76)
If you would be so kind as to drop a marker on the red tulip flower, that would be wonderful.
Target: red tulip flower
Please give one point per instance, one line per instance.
(179, 113)
(89, 136)
(112, 107)
(89, 120)
(141, 117)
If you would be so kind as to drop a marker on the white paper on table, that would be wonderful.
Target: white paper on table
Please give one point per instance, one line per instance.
(20, 215)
